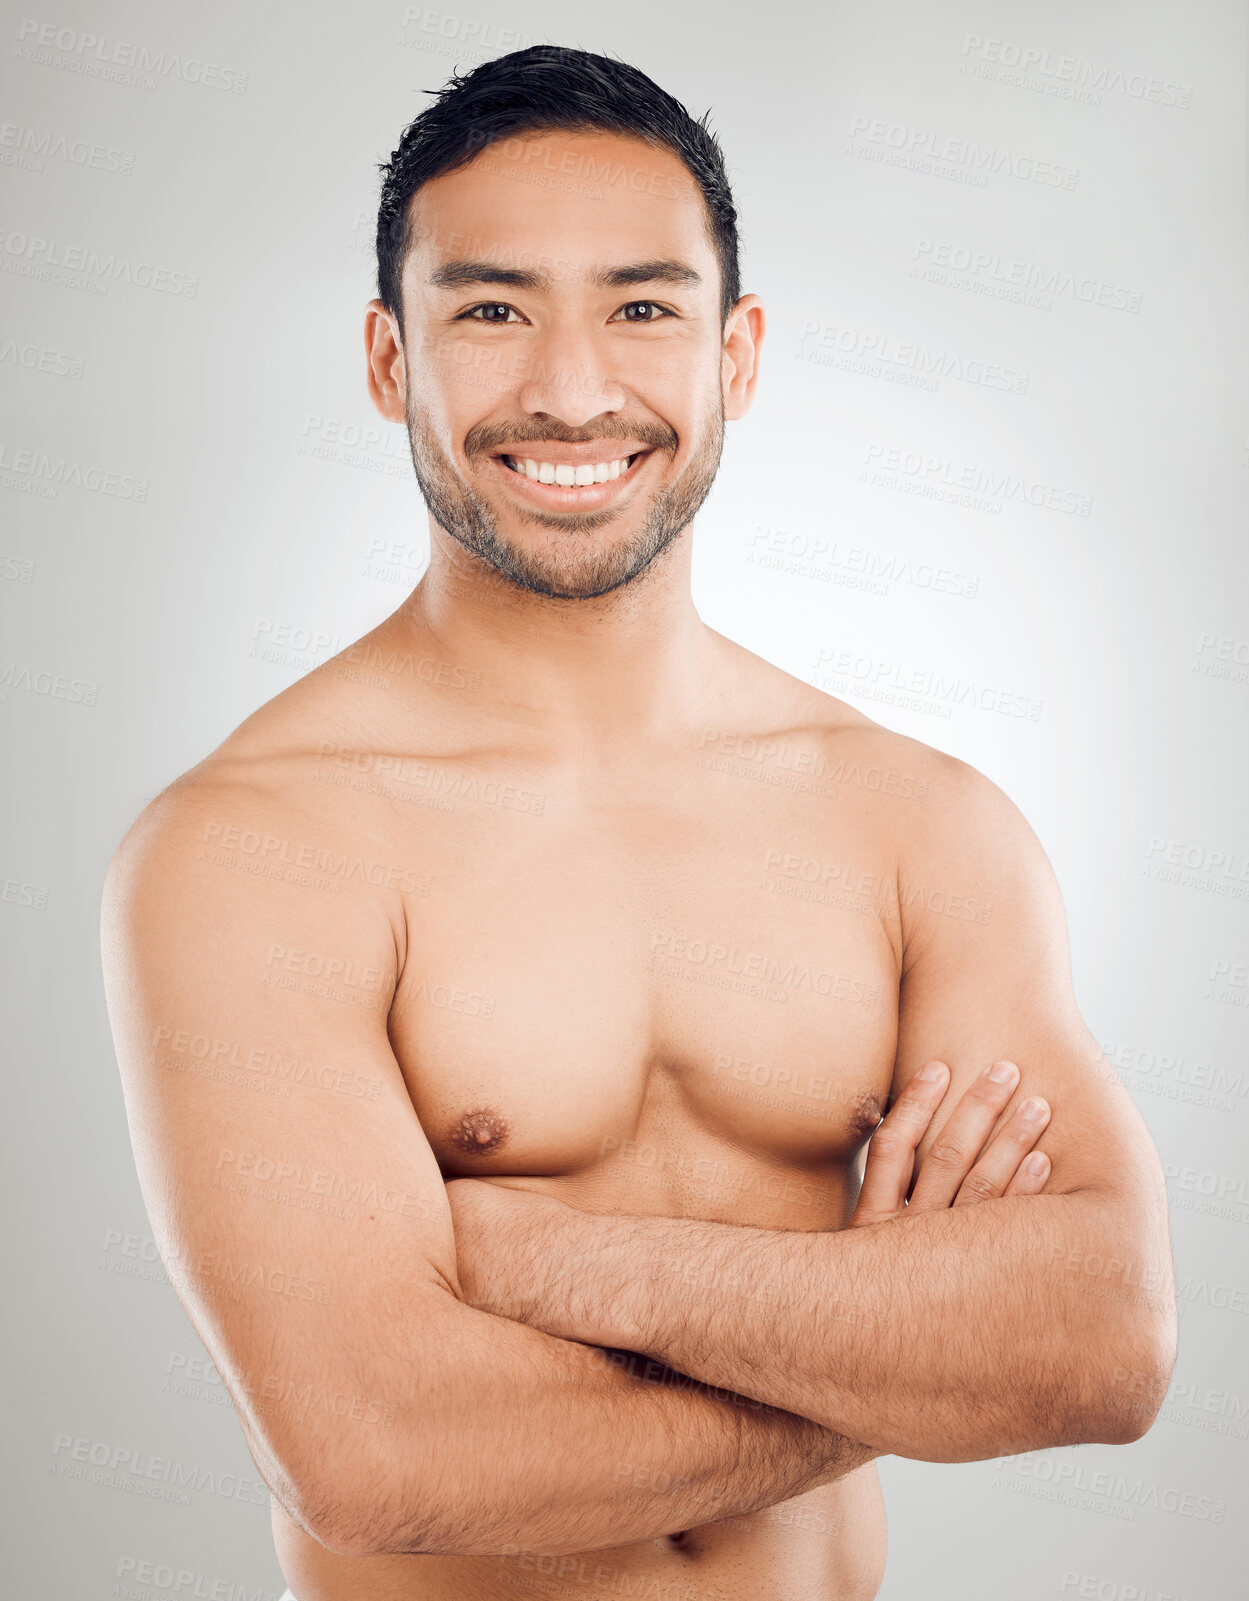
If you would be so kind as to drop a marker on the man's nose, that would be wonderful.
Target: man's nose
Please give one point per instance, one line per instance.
(569, 375)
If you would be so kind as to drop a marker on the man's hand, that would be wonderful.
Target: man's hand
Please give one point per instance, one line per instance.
(954, 1173)
(499, 1228)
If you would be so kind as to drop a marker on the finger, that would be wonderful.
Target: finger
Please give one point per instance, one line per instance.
(1032, 1174)
(960, 1140)
(1002, 1159)
(891, 1150)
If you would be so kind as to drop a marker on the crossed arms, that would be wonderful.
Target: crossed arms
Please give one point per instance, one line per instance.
(944, 1333)
(497, 1435)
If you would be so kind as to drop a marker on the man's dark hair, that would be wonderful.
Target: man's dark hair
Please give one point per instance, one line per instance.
(535, 91)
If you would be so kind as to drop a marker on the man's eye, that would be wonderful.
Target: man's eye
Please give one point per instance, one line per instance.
(654, 305)
(489, 306)
(497, 311)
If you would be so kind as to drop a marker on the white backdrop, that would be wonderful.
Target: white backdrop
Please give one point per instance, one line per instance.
(992, 492)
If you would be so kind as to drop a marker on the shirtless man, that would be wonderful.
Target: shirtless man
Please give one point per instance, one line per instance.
(504, 1008)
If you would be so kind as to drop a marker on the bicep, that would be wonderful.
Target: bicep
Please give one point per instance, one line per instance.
(987, 977)
(293, 1194)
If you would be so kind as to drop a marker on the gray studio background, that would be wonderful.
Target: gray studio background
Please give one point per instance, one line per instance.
(992, 492)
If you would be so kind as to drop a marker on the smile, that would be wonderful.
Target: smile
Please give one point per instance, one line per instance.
(569, 486)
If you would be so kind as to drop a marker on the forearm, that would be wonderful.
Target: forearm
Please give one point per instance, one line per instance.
(953, 1335)
(537, 1443)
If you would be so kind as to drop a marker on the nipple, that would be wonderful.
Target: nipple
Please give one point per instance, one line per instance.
(865, 1115)
(479, 1132)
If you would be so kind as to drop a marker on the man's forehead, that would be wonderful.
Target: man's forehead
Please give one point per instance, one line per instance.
(511, 216)
(594, 156)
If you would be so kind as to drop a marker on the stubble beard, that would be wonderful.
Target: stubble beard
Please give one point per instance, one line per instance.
(579, 569)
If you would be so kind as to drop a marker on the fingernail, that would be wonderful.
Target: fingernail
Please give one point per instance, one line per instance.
(1003, 1072)
(1033, 1110)
(932, 1072)
(1036, 1164)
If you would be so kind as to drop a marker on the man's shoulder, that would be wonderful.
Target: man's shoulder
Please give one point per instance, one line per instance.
(842, 741)
(262, 817)
(938, 814)
(273, 764)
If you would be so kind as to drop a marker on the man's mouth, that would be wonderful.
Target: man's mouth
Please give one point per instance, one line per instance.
(555, 485)
(568, 474)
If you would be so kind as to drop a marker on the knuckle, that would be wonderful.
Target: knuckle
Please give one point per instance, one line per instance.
(889, 1140)
(946, 1154)
(980, 1186)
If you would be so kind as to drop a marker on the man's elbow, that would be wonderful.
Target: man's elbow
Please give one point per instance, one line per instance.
(1123, 1364)
(1139, 1376)
(381, 1514)
(358, 1503)
(1126, 1325)
(349, 1526)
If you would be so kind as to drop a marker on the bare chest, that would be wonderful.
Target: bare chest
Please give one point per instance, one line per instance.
(674, 997)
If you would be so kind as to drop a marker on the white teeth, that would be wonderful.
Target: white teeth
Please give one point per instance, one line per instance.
(546, 472)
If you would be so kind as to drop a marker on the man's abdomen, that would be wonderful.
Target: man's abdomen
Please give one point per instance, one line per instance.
(826, 1545)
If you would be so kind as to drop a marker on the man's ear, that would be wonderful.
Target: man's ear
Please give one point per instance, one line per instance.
(739, 367)
(387, 375)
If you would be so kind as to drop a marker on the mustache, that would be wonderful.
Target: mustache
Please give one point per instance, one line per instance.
(488, 437)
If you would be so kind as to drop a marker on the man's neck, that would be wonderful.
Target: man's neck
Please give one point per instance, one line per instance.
(597, 674)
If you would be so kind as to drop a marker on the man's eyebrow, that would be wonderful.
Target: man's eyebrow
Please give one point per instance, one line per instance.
(647, 272)
(459, 274)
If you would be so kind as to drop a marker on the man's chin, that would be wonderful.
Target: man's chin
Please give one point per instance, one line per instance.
(554, 575)
(585, 579)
